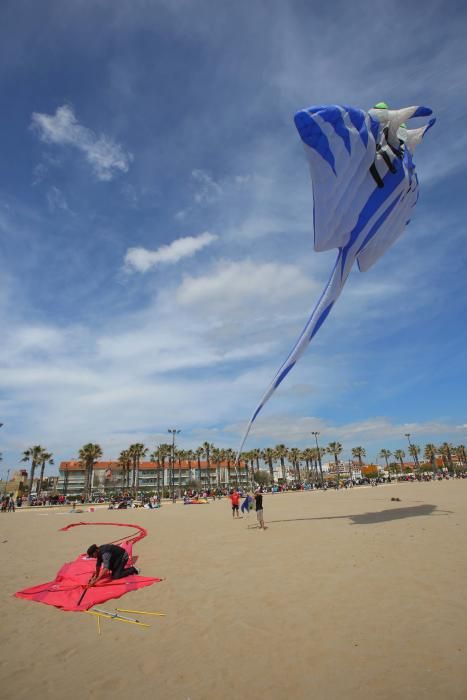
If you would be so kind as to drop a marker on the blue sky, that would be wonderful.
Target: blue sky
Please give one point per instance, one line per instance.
(156, 259)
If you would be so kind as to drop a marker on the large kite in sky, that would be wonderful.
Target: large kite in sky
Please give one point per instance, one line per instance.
(364, 190)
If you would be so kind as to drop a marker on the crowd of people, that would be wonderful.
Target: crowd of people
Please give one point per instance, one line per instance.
(8, 503)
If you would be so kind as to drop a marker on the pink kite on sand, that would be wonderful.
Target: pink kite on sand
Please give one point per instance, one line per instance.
(69, 584)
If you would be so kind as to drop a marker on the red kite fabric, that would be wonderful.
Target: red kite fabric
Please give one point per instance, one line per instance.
(65, 591)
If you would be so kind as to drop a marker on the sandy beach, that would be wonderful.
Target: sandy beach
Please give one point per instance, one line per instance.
(346, 595)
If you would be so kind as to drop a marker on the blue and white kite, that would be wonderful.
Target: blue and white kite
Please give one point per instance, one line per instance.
(364, 190)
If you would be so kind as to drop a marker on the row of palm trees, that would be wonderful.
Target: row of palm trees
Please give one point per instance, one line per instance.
(310, 457)
(166, 456)
(39, 457)
(451, 456)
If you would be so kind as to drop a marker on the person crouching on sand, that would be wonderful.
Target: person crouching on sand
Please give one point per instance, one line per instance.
(111, 560)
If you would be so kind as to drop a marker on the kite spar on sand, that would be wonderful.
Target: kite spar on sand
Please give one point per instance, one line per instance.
(364, 190)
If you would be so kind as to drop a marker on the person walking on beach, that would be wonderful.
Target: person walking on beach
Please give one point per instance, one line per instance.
(259, 510)
(110, 561)
(235, 500)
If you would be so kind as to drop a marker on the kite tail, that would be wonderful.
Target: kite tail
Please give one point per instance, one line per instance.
(319, 314)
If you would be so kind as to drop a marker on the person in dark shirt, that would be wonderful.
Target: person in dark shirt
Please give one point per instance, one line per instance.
(111, 560)
(259, 510)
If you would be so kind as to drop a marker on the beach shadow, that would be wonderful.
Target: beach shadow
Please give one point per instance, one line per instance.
(381, 516)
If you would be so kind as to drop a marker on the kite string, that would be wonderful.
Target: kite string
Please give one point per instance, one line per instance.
(132, 538)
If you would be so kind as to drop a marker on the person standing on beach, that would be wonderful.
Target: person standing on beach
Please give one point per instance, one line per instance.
(259, 510)
(235, 500)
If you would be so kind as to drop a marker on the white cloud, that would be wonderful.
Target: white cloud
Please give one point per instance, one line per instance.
(142, 259)
(34, 338)
(373, 433)
(208, 190)
(56, 200)
(105, 156)
(243, 285)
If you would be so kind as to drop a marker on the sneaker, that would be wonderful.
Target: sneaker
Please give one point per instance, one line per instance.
(138, 570)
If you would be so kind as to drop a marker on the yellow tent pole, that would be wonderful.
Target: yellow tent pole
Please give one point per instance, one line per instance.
(140, 612)
(112, 617)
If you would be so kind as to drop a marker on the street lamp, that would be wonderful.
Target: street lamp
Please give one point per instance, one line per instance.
(173, 432)
(414, 455)
(316, 433)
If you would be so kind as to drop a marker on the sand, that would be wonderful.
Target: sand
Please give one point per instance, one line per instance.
(345, 595)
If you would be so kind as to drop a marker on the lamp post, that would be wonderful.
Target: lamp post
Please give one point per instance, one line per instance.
(414, 455)
(316, 433)
(173, 432)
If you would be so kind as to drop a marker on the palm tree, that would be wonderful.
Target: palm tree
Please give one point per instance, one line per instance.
(315, 456)
(207, 448)
(45, 457)
(248, 459)
(154, 457)
(88, 456)
(429, 454)
(199, 453)
(460, 451)
(358, 453)
(230, 457)
(335, 448)
(318, 452)
(446, 451)
(281, 454)
(308, 455)
(66, 478)
(33, 454)
(216, 454)
(136, 451)
(165, 451)
(385, 454)
(124, 460)
(162, 451)
(414, 451)
(294, 454)
(268, 456)
(400, 454)
(256, 456)
(222, 474)
(189, 456)
(180, 455)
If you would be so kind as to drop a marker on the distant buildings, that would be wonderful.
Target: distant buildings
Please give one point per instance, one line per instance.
(111, 477)
(19, 482)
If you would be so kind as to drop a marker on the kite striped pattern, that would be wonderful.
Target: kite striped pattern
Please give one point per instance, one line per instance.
(364, 190)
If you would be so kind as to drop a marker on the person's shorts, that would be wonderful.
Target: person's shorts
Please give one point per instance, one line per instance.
(259, 516)
(234, 506)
